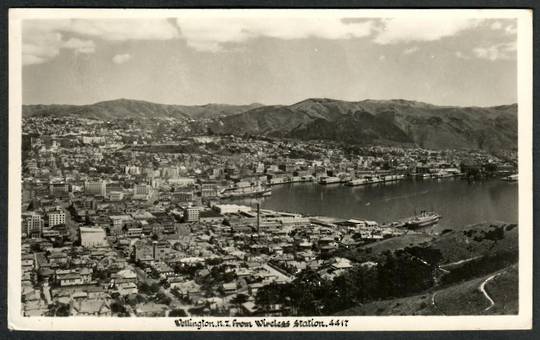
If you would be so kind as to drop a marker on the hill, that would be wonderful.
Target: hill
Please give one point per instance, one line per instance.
(136, 109)
(382, 121)
(362, 123)
(477, 263)
(465, 298)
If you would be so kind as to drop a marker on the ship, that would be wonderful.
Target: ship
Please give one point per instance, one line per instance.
(329, 180)
(371, 179)
(357, 181)
(391, 178)
(250, 191)
(511, 178)
(424, 219)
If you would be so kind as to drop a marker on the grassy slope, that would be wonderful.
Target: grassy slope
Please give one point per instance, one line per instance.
(461, 299)
(455, 244)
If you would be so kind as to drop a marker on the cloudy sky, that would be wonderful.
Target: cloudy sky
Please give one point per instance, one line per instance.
(241, 59)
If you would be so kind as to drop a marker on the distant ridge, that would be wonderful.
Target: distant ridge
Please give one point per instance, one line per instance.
(137, 109)
(382, 121)
(361, 122)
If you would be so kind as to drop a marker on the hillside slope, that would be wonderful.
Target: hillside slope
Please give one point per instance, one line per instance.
(478, 263)
(370, 121)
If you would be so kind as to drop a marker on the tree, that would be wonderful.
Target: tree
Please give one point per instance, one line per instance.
(147, 289)
(177, 312)
(35, 247)
(239, 299)
(163, 299)
(118, 308)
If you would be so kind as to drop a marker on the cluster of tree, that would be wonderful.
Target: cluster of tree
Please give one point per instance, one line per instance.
(59, 309)
(220, 274)
(149, 289)
(163, 299)
(188, 270)
(118, 308)
(398, 274)
(481, 266)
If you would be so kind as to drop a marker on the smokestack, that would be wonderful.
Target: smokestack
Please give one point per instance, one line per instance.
(258, 216)
(154, 245)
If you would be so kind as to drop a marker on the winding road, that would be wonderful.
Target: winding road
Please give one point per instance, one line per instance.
(435, 305)
(486, 295)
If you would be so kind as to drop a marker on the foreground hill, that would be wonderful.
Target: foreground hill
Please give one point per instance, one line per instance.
(136, 109)
(476, 272)
(466, 298)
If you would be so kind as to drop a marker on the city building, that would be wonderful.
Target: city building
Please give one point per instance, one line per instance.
(92, 237)
(56, 217)
(191, 214)
(97, 188)
(33, 223)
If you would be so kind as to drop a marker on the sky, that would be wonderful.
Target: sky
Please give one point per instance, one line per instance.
(241, 59)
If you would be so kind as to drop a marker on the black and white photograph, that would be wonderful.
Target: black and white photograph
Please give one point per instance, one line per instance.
(299, 170)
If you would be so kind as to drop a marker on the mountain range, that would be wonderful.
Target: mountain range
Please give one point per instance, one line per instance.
(137, 109)
(361, 122)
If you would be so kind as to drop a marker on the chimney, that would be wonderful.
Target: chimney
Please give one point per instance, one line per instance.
(154, 245)
(258, 216)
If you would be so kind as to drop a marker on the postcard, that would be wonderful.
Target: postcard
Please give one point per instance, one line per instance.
(270, 169)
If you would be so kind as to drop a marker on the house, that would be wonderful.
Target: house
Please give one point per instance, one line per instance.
(58, 259)
(162, 269)
(185, 288)
(91, 307)
(249, 308)
(69, 279)
(125, 276)
(230, 288)
(86, 274)
(151, 310)
(127, 288)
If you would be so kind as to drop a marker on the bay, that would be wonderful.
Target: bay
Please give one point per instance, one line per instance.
(458, 201)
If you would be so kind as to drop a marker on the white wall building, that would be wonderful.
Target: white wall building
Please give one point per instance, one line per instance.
(56, 217)
(92, 237)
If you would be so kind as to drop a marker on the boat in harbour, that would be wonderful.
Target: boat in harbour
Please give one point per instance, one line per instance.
(357, 181)
(511, 178)
(250, 191)
(329, 180)
(424, 219)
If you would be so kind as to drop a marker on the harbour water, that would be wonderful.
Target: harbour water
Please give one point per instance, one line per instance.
(458, 201)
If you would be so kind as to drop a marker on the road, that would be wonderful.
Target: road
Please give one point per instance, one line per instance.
(460, 262)
(486, 295)
(435, 305)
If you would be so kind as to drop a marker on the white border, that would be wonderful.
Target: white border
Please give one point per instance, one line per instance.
(368, 323)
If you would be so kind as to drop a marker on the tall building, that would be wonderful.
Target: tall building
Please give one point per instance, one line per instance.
(191, 214)
(33, 223)
(98, 188)
(58, 188)
(132, 170)
(169, 172)
(209, 190)
(141, 189)
(56, 217)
